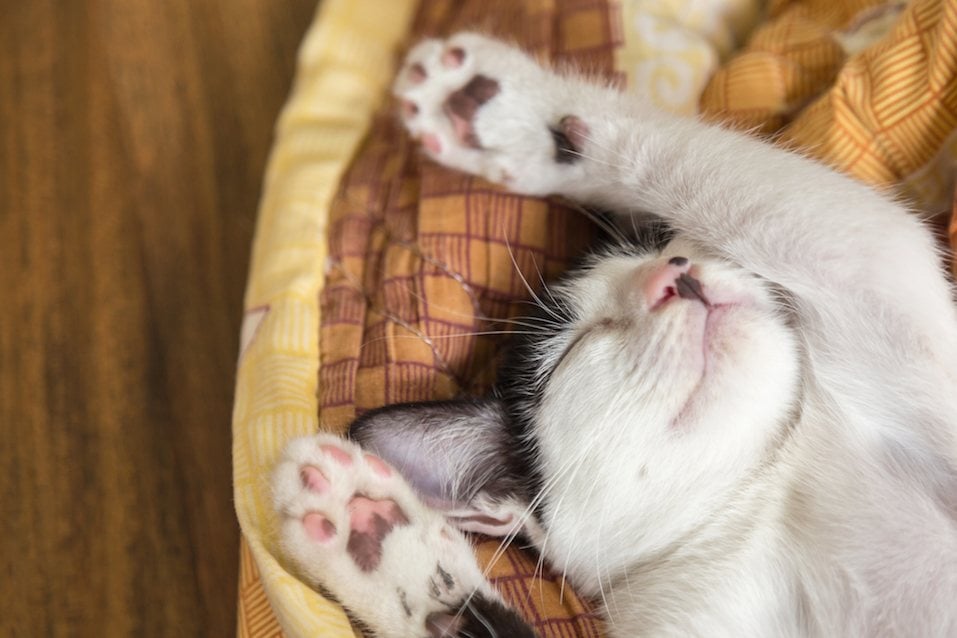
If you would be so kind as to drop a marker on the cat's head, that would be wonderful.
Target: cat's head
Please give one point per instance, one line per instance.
(656, 375)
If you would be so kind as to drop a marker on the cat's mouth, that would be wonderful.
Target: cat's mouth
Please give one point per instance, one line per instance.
(714, 317)
(715, 307)
(688, 286)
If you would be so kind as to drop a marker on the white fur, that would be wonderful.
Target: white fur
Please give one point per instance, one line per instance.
(871, 551)
(788, 469)
(410, 553)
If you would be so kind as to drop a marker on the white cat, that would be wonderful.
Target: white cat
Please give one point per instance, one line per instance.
(749, 430)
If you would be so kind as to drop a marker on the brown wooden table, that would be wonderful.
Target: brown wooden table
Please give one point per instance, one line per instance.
(133, 136)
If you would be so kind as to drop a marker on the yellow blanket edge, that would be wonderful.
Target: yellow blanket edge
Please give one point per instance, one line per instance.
(345, 64)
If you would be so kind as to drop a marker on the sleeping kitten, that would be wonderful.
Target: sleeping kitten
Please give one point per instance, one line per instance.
(748, 430)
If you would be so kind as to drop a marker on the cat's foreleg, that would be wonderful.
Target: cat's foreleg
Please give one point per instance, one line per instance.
(351, 526)
(487, 108)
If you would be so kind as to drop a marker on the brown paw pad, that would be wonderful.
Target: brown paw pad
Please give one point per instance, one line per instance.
(370, 522)
(462, 105)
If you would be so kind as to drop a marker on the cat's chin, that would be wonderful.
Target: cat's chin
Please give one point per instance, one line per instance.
(719, 317)
(740, 359)
(716, 317)
(716, 320)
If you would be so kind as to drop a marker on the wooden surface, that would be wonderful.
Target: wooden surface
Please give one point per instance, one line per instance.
(133, 137)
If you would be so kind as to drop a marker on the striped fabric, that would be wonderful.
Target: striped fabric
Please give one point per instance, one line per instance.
(789, 60)
(345, 64)
(885, 114)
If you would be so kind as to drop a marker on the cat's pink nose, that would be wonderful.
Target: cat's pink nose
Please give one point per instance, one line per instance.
(660, 284)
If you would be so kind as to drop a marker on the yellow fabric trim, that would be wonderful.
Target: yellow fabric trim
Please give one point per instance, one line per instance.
(345, 63)
(672, 47)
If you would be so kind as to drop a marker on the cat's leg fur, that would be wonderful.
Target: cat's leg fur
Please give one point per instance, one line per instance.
(860, 277)
(487, 108)
(844, 253)
(354, 528)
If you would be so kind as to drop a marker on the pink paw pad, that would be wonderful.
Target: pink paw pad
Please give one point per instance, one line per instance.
(341, 456)
(318, 527)
(409, 109)
(453, 58)
(575, 130)
(378, 465)
(417, 74)
(313, 479)
(431, 142)
(370, 522)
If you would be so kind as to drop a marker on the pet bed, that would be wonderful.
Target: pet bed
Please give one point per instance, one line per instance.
(377, 276)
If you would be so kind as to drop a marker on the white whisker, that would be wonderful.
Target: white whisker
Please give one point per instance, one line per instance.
(528, 286)
(482, 619)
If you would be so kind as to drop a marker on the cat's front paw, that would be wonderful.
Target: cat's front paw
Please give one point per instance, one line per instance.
(487, 108)
(353, 527)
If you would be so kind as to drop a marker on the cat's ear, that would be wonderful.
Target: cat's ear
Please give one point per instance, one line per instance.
(458, 456)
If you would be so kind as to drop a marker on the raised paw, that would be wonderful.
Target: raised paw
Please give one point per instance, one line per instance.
(352, 526)
(484, 107)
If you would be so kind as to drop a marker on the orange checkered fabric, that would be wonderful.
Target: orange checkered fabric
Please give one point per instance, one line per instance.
(790, 59)
(885, 114)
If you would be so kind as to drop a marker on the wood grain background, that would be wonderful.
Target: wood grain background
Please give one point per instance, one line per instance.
(133, 136)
